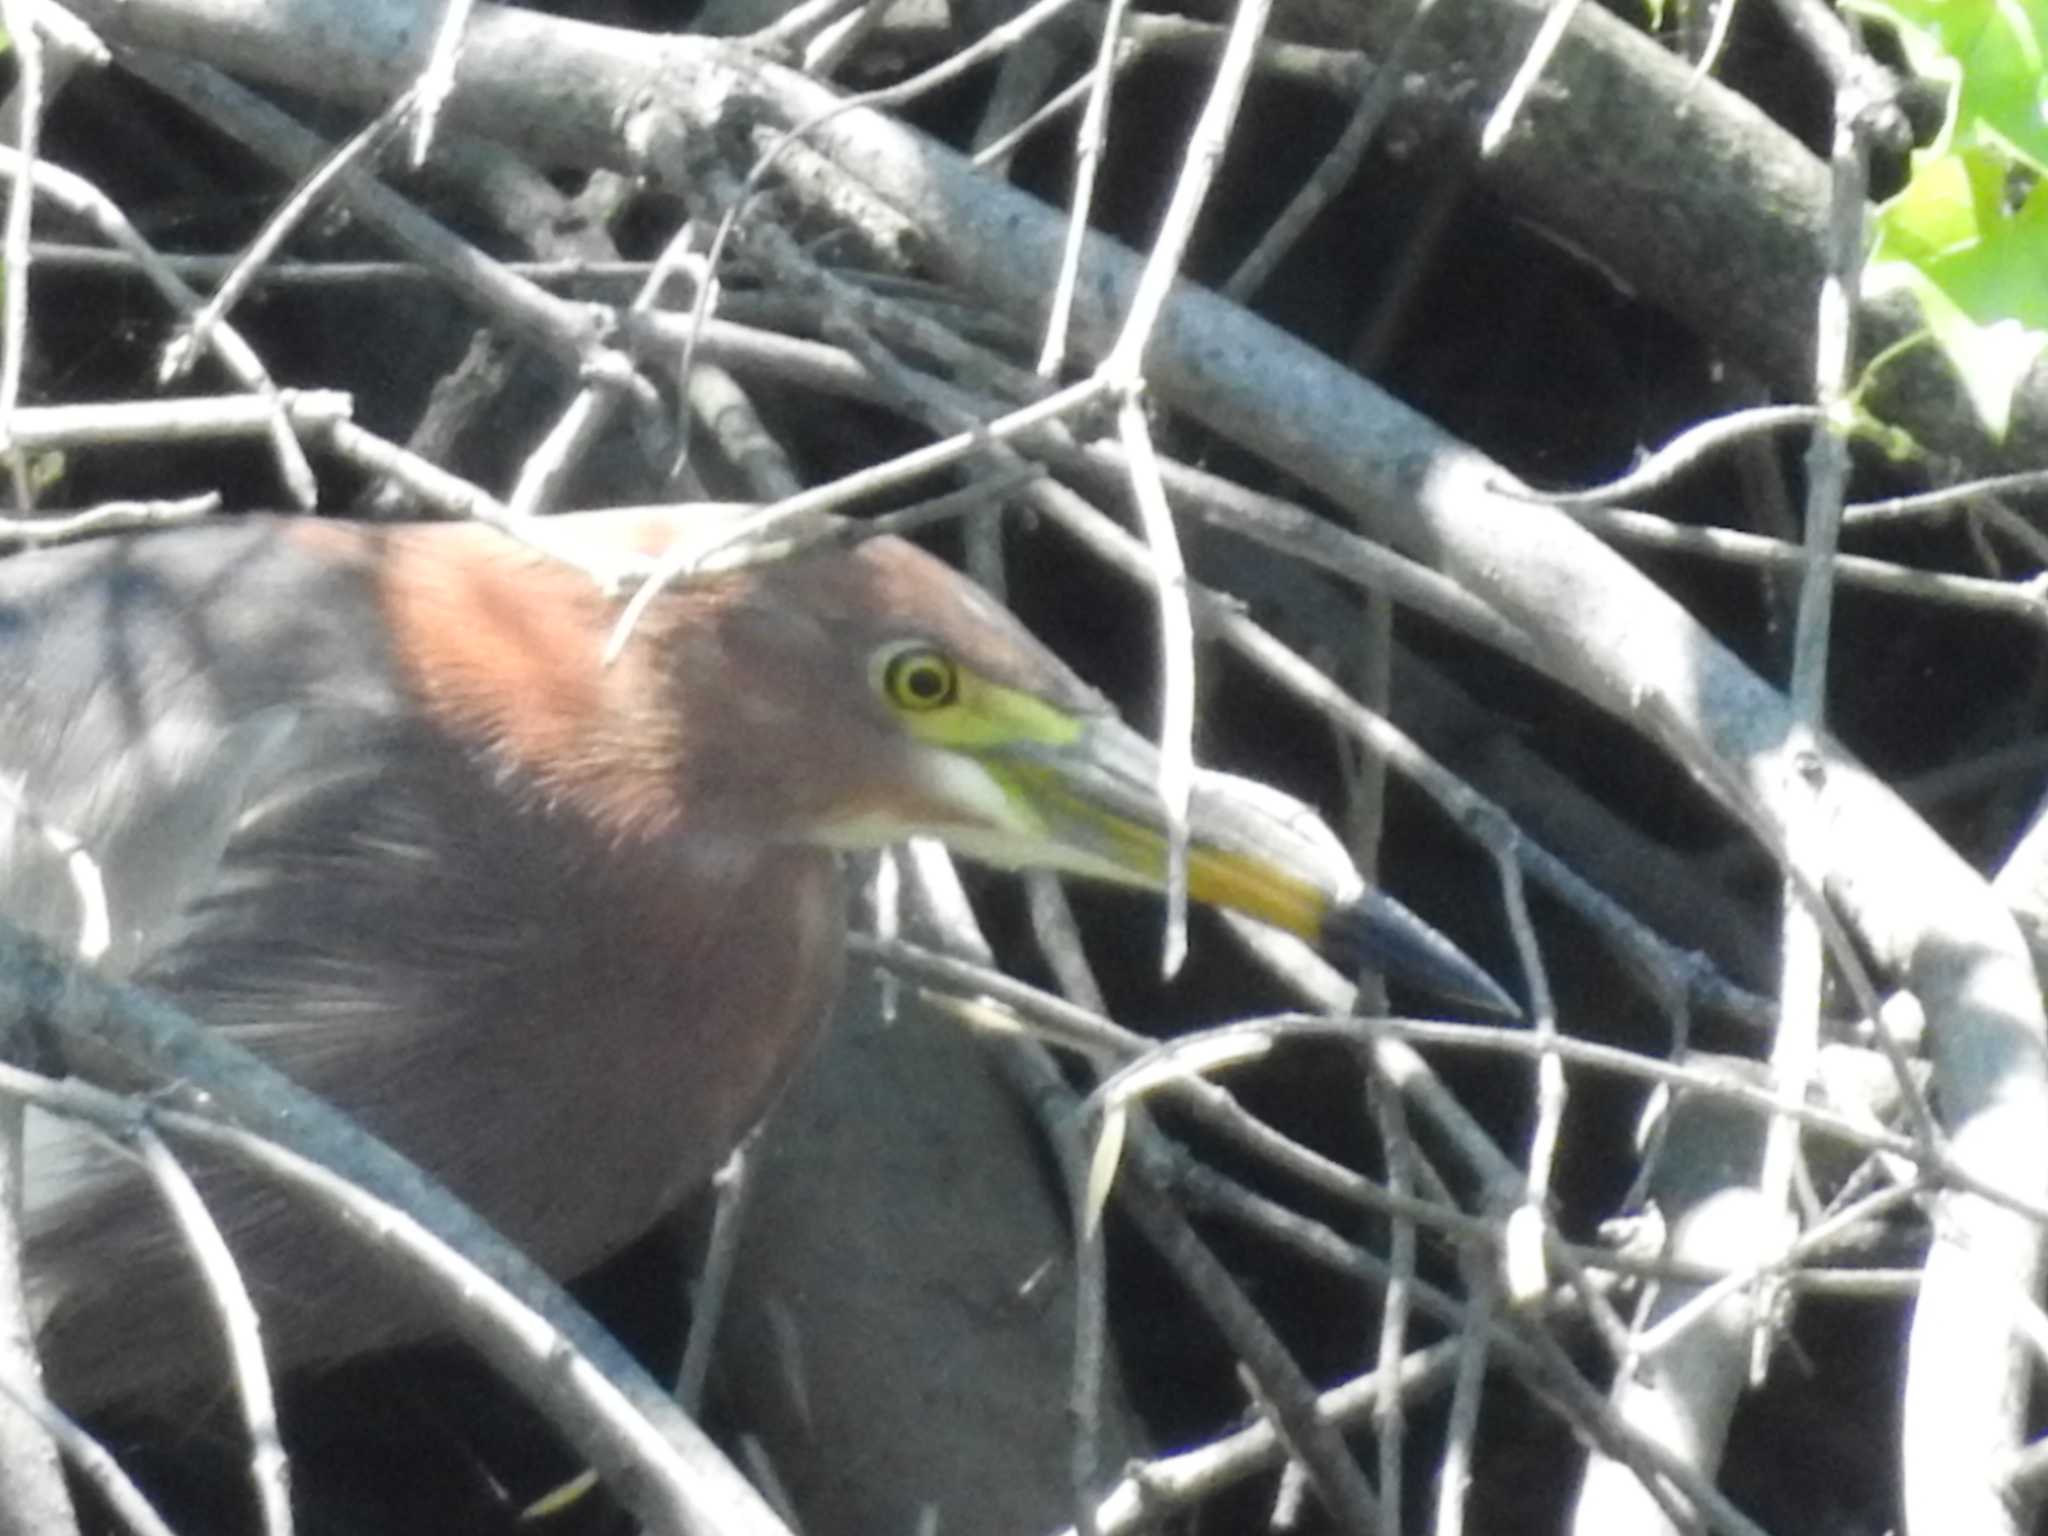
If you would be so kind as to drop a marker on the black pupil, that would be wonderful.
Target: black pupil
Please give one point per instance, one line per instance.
(924, 680)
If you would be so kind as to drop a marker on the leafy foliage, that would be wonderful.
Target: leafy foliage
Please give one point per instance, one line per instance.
(1968, 235)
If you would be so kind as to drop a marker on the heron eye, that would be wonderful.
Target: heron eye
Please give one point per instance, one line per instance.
(918, 678)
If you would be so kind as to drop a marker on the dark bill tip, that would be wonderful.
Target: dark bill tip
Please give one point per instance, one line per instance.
(1375, 932)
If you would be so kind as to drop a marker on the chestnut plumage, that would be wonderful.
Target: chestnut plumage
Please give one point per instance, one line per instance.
(370, 798)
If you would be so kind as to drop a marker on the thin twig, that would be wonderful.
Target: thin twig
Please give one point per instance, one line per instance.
(1333, 173)
(1091, 138)
(185, 348)
(87, 202)
(436, 80)
(25, 38)
(269, 1467)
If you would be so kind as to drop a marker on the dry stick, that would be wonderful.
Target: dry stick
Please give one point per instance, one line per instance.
(1091, 1330)
(33, 1496)
(642, 132)
(980, 500)
(1123, 367)
(315, 272)
(1176, 662)
(1978, 499)
(1526, 1345)
(2019, 600)
(563, 446)
(1500, 122)
(869, 238)
(1947, 499)
(1339, 73)
(1454, 1471)
(661, 1466)
(799, 23)
(971, 366)
(86, 202)
(543, 220)
(838, 42)
(2008, 1194)
(284, 221)
(1402, 1156)
(746, 350)
(1529, 1224)
(1213, 1194)
(437, 79)
(997, 151)
(1674, 1325)
(1018, 1006)
(1143, 36)
(730, 1188)
(193, 418)
(1018, 95)
(569, 332)
(1376, 98)
(1685, 452)
(1289, 528)
(367, 57)
(107, 517)
(434, 487)
(1365, 827)
(1541, 1364)
(1090, 138)
(1251, 1037)
(1688, 1500)
(90, 1459)
(1177, 1482)
(870, 482)
(719, 401)
(861, 321)
(2032, 541)
(74, 42)
(1005, 1005)
(1796, 1048)
(1169, 1485)
(1978, 775)
(14, 252)
(269, 1469)
(1686, 1395)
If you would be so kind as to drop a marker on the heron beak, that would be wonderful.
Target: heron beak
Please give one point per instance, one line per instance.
(1093, 806)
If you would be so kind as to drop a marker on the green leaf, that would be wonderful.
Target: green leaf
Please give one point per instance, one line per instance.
(1990, 54)
(1968, 235)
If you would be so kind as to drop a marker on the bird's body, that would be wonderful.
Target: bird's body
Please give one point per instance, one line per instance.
(343, 856)
(370, 799)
